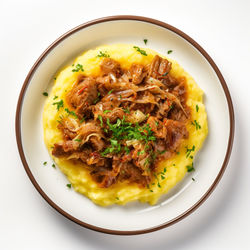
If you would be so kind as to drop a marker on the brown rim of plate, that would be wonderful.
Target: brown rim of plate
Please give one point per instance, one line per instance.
(110, 19)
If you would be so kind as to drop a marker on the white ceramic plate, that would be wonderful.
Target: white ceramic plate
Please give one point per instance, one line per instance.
(133, 218)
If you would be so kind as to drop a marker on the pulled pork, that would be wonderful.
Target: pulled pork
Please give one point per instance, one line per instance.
(122, 123)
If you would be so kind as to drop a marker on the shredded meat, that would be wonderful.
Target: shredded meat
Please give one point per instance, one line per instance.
(82, 95)
(122, 123)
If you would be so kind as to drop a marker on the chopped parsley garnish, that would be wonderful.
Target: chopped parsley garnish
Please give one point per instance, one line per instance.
(68, 185)
(189, 151)
(145, 41)
(71, 113)
(106, 111)
(177, 153)
(127, 111)
(140, 152)
(53, 165)
(98, 98)
(143, 52)
(55, 97)
(78, 68)
(156, 123)
(122, 130)
(190, 168)
(103, 54)
(54, 78)
(82, 120)
(197, 108)
(196, 124)
(170, 51)
(101, 121)
(193, 179)
(165, 74)
(162, 152)
(127, 150)
(45, 93)
(158, 183)
(79, 140)
(45, 163)
(110, 91)
(58, 104)
(117, 198)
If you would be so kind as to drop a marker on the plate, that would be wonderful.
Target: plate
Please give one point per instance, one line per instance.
(134, 218)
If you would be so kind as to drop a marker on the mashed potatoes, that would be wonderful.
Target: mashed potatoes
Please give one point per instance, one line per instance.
(170, 171)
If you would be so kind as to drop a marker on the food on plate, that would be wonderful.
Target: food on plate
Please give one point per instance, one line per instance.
(124, 123)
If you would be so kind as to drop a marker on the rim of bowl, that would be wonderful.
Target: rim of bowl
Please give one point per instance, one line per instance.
(110, 19)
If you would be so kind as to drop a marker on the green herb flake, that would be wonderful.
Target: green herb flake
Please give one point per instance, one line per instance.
(71, 113)
(177, 153)
(143, 52)
(117, 198)
(53, 165)
(45, 93)
(45, 163)
(170, 51)
(78, 68)
(127, 150)
(55, 97)
(145, 41)
(58, 104)
(140, 152)
(106, 111)
(189, 151)
(127, 111)
(196, 124)
(165, 74)
(100, 119)
(110, 91)
(190, 168)
(82, 120)
(54, 78)
(103, 54)
(79, 140)
(197, 108)
(156, 123)
(151, 190)
(68, 185)
(162, 152)
(193, 179)
(98, 98)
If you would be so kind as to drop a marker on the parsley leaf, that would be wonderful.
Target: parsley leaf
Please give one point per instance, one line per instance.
(170, 51)
(45, 93)
(78, 68)
(143, 52)
(71, 113)
(145, 41)
(58, 104)
(197, 108)
(190, 168)
(103, 54)
(196, 124)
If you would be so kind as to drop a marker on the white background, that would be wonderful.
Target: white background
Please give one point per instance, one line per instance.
(222, 28)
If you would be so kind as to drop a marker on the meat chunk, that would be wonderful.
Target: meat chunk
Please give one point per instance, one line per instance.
(137, 73)
(157, 126)
(65, 148)
(90, 129)
(132, 174)
(82, 95)
(176, 131)
(109, 65)
(68, 126)
(159, 67)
